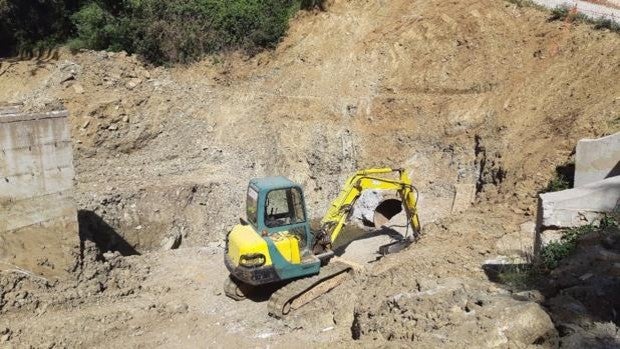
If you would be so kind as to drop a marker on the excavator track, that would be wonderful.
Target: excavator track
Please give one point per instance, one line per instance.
(302, 291)
(232, 289)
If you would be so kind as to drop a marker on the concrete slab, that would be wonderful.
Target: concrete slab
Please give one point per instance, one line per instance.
(597, 159)
(578, 206)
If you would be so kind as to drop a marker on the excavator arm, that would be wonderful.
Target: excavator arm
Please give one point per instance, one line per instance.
(340, 209)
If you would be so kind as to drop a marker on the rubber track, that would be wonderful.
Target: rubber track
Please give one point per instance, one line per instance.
(297, 288)
(230, 289)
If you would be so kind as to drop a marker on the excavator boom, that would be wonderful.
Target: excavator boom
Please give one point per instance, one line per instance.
(341, 207)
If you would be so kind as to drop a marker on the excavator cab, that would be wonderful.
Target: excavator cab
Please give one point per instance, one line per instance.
(274, 243)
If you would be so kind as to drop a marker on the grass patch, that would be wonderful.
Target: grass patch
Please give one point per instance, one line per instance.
(613, 124)
(564, 178)
(518, 276)
(557, 183)
(556, 251)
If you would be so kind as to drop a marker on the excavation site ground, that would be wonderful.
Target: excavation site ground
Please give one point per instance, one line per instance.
(483, 102)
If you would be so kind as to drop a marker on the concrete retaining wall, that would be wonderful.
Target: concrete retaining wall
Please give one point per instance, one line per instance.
(38, 215)
(579, 206)
(597, 159)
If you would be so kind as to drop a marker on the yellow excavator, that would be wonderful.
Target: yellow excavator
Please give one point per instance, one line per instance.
(275, 243)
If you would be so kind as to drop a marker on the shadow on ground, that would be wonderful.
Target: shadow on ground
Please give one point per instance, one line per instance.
(94, 228)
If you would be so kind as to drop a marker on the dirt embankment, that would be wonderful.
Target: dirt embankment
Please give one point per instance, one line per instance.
(479, 98)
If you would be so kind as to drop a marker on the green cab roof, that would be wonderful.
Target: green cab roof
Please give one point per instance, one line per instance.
(269, 183)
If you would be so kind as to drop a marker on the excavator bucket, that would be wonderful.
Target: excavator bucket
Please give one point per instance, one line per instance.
(395, 246)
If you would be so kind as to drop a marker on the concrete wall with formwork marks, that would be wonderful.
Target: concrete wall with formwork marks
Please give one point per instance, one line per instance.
(38, 215)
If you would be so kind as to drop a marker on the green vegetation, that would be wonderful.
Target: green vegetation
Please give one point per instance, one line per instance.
(34, 25)
(161, 31)
(613, 124)
(554, 252)
(518, 276)
(557, 183)
(562, 13)
(527, 3)
(526, 275)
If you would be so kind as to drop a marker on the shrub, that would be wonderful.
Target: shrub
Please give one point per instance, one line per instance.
(162, 31)
(29, 25)
(184, 30)
(558, 183)
(603, 23)
(563, 12)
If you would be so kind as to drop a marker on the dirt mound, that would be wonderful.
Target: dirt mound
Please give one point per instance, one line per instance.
(454, 312)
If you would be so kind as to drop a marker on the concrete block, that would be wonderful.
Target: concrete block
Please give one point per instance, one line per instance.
(464, 197)
(38, 214)
(578, 206)
(597, 159)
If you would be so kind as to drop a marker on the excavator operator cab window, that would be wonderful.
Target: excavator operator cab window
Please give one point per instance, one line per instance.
(284, 207)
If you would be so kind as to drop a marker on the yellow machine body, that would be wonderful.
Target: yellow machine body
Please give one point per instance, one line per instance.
(243, 240)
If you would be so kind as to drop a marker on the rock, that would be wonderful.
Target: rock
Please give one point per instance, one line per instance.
(527, 323)
(78, 88)
(548, 236)
(457, 313)
(615, 270)
(515, 244)
(531, 295)
(133, 83)
(171, 242)
(178, 308)
(110, 256)
(565, 306)
(528, 227)
(464, 197)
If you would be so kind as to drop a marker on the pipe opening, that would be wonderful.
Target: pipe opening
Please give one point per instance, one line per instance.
(386, 210)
